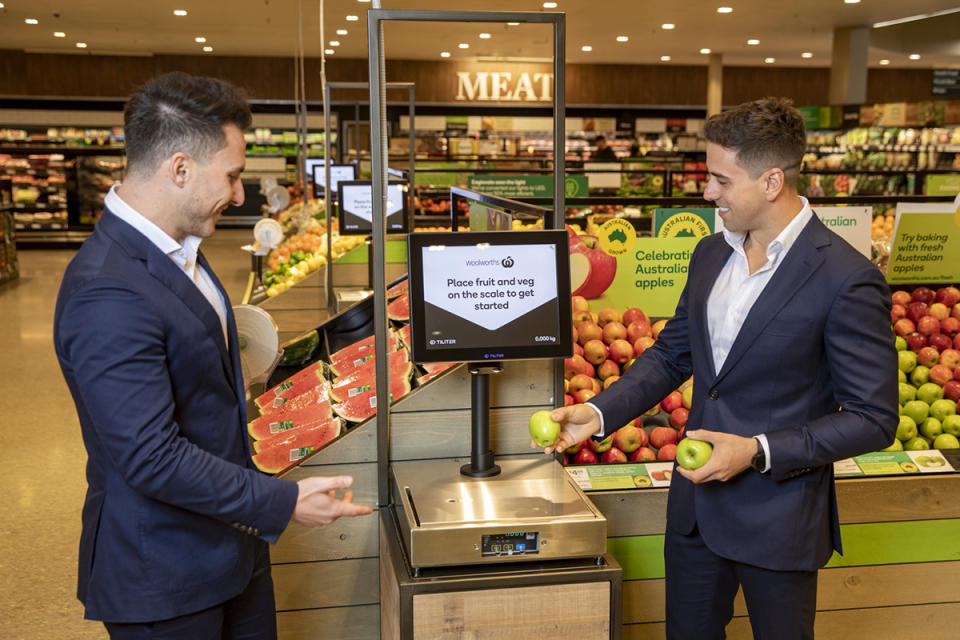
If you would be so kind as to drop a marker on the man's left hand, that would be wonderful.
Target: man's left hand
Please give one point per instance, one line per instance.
(731, 455)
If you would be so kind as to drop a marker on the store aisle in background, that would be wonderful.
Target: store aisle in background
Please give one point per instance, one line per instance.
(42, 458)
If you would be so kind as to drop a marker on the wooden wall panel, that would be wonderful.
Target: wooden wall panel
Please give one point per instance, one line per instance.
(356, 623)
(344, 538)
(338, 583)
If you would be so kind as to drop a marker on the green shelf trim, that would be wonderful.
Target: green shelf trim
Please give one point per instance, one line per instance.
(395, 252)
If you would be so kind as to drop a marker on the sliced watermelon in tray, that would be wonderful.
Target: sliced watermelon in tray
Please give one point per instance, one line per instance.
(398, 289)
(270, 425)
(283, 406)
(364, 405)
(345, 368)
(287, 453)
(300, 382)
(363, 381)
(399, 309)
(289, 436)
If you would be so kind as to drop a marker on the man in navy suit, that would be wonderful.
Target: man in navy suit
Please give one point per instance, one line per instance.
(176, 521)
(786, 330)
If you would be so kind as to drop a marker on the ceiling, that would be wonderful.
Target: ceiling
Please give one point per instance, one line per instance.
(270, 28)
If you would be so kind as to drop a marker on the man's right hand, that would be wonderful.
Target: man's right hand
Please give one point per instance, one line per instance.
(577, 423)
(317, 502)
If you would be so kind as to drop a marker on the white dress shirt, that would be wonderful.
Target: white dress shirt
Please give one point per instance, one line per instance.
(184, 256)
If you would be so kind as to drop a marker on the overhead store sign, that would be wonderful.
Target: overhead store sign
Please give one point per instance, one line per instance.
(504, 86)
(527, 186)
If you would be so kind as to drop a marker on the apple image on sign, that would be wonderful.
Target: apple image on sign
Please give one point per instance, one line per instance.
(591, 269)
(693, 454)
(543, 429)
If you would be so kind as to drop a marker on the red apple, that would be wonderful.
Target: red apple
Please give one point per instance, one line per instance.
(917, 310)
(588, 331)
(614, 330)
(948, 296)
(567, 400)
(923, 294)
(591, 269)
(657, 328)
(576, 364)
(667, 452)
(595, 317)
(928, 356)
(950, 358)
(955, 312)
(916, 341)
(575, 334)
(643, 454)
(939, 311)
(613, 455)
(579, 317)
(940, 374)
(595, 352)
(585, 456)
(597, 386)
(599, 447)
(621, 351)
(579, 303)
(578, 382)
(609, 381)
(951, 390)
(673, 401)
(634, 315)
(642, 344)
(608, 315)
(577, 349)
(678, 417)
(629, 438)
(608, 369)
(950, 326)
(897, 311)
(939, 341)
(902, 298)
(928, 325)
(662, 436)
(584, 395)
(904, 327)
(638, 329)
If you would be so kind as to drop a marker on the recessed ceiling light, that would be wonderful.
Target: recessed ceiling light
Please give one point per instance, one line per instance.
(31, 21)
(329, 52)
(180, 12)
(200, 39)
(884, 62)
(59, 34)
(586, 47)
(769, 60)
(806, 54)
(622, 38)
(81, 45)
(704, 51)
(341, 32)
(513, 24)
(549, 5)
(914, 56)
(484, 36)
(444, 54)
(208, 49)
(334, 43)
(463, 45)
(363, 0)
(1, 5)
(668, 26)
(724, 9)
(753, 41)
(664, 58)
(352, 18)
(851, 1)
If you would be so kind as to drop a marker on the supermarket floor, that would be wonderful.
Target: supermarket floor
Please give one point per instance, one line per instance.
(41, 453)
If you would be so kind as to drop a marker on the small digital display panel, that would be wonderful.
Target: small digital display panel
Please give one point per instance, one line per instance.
(490, 296)
(356, 207)
(338, 173)
(510, 544)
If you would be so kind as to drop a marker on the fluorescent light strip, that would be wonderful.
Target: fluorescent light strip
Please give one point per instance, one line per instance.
(922, 16)
(180, 12)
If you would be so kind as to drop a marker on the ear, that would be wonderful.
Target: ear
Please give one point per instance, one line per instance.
(773, 183)
(179, 169)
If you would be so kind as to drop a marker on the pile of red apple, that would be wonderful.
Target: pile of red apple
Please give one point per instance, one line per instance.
(605, 345)
(929, 324)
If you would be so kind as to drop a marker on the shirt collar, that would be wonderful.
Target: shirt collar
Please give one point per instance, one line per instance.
(784, 240)
(184, 255)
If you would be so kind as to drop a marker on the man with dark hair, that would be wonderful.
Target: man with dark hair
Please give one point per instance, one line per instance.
(176, 521)
(786, 330)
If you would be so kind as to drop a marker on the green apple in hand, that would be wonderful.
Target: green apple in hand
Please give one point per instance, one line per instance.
(543, 429)
(693, 454)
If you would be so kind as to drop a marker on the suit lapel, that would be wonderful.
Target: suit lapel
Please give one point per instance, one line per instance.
(233, 349)
(798, 265)
(711, 264)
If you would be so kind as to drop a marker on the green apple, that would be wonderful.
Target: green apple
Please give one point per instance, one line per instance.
(931, 428)
(928, 392)
(907, 361)
(916, 444)
(908, 392)
(917, 409)
(897, 445)
(693, 454)
(946, 441)
(951, 425)
(543, 429)
(901, 343)
(907, 429)
(943, 407)
(901, 376)
(920, 375)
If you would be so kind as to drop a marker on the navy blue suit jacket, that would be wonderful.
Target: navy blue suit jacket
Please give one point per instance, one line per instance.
(162, 409)
(817, 339)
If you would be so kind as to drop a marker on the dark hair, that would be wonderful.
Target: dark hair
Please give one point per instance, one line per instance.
(179, 112)
(765, 133)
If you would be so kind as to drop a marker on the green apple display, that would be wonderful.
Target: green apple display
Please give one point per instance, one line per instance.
(917, 409)
(943, 407)
(901, 376)
(693, 454)
(908, 392)
(901, 343)
(929, 392)
(895, 446)
(951, 425)
(543, 429)
(907, 361)
(920, 375)
(930, 428)
(946, 441)
(916, 444)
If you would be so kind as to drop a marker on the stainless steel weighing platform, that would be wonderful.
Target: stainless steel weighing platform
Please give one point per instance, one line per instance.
(532, 510)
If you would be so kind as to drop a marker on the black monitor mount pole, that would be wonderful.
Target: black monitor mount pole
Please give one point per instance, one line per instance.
(481, 456)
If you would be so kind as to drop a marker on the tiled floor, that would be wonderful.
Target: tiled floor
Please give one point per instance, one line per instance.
(41, 454)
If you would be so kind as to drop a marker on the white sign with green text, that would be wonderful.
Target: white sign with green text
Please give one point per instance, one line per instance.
(850, 223)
